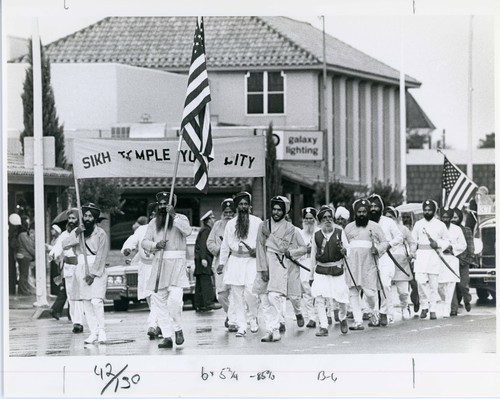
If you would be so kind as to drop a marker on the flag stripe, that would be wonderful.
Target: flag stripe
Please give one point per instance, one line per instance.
(195, 125)
(457, 187)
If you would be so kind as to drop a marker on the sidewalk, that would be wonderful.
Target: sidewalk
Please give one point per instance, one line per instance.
(21, 302)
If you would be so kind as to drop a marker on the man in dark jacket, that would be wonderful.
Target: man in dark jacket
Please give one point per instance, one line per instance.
(204, 293)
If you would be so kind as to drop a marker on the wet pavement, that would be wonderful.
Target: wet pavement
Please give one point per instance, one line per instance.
(205, 334)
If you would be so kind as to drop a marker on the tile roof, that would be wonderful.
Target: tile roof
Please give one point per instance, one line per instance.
(215, 183)
(416, 118)
(308, 173)
(232, 42)
(15, 167)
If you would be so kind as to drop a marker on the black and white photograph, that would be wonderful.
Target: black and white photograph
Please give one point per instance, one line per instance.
(254, 202)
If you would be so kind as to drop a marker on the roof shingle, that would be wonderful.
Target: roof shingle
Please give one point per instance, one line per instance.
(231, 42)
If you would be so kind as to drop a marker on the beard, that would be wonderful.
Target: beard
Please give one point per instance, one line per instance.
(327, 227)
(89, 227)
(375, 216)
(161, 218)
(242, 224)
(428, 217)
(70, 226)
(361, 221)
(309, 228)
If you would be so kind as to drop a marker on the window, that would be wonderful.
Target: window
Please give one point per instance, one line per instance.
(120, 132)
(265, 92)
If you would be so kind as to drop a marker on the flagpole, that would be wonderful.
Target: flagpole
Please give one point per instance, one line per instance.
(80, 217)
(170, 199)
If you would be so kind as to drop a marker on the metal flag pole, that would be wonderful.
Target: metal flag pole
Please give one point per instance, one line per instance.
(80, 217)
(170, 199)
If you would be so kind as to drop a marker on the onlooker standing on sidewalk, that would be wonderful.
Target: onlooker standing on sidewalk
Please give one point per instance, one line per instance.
(14, 227)
(55, 232)
(25, 256)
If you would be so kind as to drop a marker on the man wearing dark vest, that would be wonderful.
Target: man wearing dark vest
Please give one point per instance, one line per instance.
(327, 270)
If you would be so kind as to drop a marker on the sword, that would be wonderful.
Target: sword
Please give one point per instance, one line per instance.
(376, 266)
(439, 254)
(248, 247)
(339, 243)
(410, 261)
(297, 263)
(396, 263)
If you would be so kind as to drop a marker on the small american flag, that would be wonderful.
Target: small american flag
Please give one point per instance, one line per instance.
(195, 125)
(457, 187)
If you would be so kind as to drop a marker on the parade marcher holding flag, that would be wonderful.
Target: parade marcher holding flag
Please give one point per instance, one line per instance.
(237, 262)
(366, 242)
(431, 236)
(447, 279)
(90, 285)
(167, 302)
(277, 239)
(214, 242)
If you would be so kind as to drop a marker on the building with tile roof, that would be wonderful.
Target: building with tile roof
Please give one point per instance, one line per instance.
(261, 70)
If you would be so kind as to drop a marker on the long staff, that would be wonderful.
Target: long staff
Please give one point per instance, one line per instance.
(376, 266)
(80, 238)
(170, 199)
(347, 265)
(439, 254)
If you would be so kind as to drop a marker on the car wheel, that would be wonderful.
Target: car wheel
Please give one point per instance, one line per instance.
(482, 294)
(120, 305)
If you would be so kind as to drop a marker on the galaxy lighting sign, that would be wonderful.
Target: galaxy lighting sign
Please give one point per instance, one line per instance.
(299, 145)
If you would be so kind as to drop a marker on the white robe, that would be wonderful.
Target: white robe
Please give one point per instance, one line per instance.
(427, 260)
(395, 238)
(459, 245)
(239, 270)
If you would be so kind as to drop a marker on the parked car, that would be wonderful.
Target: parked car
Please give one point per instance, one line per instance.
(483, 277)
(122, 279)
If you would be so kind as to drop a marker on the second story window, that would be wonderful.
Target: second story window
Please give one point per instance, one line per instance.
(265, 92)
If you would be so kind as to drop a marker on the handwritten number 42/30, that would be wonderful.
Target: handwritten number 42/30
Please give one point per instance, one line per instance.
(122, 382)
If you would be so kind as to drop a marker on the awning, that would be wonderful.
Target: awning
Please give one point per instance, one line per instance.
(18, 174)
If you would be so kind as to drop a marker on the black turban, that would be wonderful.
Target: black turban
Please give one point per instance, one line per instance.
(92, 208)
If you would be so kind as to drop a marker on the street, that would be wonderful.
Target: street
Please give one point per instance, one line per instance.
(205, 334)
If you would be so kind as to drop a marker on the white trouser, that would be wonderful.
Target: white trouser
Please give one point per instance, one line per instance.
(403, 289)
(427, 290)
(296, 304)
(308, 308)
(75, 307)
(152, 318)
(370, 297)
(94, 314)
(239, 295)
(274, 312)
(320, 302)
(167, 305)
(446, 292)
(386, 275)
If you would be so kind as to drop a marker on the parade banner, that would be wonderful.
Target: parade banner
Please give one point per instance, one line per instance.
(234, 157)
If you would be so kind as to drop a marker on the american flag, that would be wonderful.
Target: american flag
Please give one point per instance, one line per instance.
(457, 187)
(195, 125)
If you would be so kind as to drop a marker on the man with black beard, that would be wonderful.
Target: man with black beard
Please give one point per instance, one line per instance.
(387, 268)
(237, 261)
(90, 244)
(277, 239)
(366, 240)
(430, 234)
(170, 257)
(69, 262)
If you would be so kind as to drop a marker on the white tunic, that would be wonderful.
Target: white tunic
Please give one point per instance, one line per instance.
(57, 252)
(394, 237)
(239, 267)
(459, 245)
(142, 259)
(427, 261)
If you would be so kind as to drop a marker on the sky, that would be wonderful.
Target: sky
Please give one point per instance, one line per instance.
(431, 47)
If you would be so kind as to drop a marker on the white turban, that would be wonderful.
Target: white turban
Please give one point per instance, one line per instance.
(342, 212)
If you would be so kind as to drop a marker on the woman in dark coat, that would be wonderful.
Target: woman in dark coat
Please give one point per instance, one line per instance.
(25, 256)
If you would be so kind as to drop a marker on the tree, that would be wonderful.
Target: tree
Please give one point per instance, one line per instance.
(50, 124)
(103, 193)
(488, 141)
(340, 194)
(416, 140)
(391, 195)
(273, 174)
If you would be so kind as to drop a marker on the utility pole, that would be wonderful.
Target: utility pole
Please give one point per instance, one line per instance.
(470, 90)
(326, 146)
